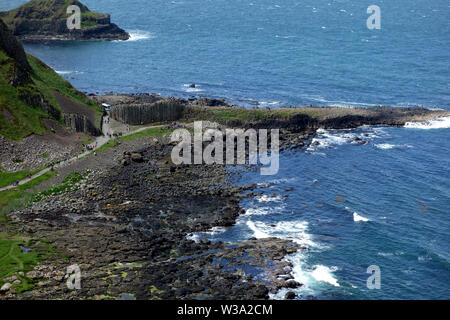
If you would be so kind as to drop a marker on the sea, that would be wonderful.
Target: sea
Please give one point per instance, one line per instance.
(382, 206)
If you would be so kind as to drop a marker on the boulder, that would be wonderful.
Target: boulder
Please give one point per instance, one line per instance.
(136, 157)
(6, 287)
(293, 284)
(290, 295)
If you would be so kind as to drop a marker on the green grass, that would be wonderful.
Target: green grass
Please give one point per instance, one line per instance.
(38, 9)
(240, 116)
(13, 260)
(7, 177)
(22, 195)
(45, 156)
(26, 120)
(48, 81)
(68, 184)
(23, 119)
(152, 132)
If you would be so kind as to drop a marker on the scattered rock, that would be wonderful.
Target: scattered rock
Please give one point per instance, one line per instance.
(293, 284)
(6, 287)
(290, 295)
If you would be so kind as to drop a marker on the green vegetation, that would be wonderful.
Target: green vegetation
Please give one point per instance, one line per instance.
(19, 119)
(22, 195)
(7, 177)
(39, 10)
(15, 262)
(151, 132)
(48, 81)
(45, 156)
(240, 116)
(68, 184)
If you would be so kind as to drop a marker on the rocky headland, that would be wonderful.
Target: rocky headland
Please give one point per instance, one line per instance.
(40, 20)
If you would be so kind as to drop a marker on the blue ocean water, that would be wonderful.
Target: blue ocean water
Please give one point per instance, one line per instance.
(286, 52)
(385, 203)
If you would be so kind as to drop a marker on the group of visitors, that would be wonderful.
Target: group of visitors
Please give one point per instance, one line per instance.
(175, 125)
(90, 147)
(115, 135)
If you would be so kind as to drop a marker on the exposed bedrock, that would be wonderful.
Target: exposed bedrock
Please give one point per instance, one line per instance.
(81, 123)
(134, 114)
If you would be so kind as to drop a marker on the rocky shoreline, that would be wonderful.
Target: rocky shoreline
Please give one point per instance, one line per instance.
(126, 222)
(39, 22)
(126, 227)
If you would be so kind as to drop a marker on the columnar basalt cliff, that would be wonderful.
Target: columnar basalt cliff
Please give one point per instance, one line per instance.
(166, 110)
(47, 19)
(81, 123)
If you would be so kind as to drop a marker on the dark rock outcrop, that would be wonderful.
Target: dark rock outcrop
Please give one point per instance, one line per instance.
(81, 123)
(210, 102)
(166, 110)
(47, 19)
(12, 48)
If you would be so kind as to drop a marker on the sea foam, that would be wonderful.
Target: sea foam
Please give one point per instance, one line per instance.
(440, 123)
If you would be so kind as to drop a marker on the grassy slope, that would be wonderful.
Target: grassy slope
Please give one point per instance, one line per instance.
(17, 197)
(12, 259)
(7, 177)
(243, 115)
(27, 120)
(152, 132)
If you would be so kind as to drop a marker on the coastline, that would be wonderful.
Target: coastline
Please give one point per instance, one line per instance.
(126, 244)
(126, 225)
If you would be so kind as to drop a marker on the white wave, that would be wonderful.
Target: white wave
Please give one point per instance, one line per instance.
(325, 274)
(387, 146)
(277, 181)
(326, 139)
(256, 211)
(292, 230)
(68, 72)
(265, 198)
(358, 218)
(197, 236)
(440, 123)
(137, 35)
(270, 103)
(337, 103)
(256, 231)
(187, 88)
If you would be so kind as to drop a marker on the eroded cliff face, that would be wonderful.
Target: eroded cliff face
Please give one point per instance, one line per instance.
(12, 48)
(47, 19)
(81, 123)
(29, 90)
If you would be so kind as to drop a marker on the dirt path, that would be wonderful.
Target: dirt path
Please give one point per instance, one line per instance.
(99, 141)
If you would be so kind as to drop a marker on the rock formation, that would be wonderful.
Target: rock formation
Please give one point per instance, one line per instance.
(47, 19)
